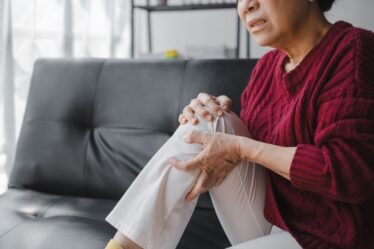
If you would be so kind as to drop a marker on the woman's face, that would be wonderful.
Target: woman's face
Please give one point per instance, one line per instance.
(273, 22)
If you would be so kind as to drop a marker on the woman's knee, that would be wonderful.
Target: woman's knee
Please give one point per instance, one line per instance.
(229, 123)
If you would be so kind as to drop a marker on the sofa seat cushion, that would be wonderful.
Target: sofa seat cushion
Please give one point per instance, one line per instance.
(31, 219)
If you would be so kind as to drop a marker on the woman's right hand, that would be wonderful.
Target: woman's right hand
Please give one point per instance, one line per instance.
(206, 106)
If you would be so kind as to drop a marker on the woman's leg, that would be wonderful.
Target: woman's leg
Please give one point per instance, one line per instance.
(279, 240)
(153, 213)
(239, 203)
(239, 200)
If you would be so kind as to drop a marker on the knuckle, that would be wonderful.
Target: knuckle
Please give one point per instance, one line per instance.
(205, 98)
(216, 108)
(201, 95)
(205, 111)
(209, 99)
(187, 109)
(199, 161)
(209, 171)
(224, 98)
(190, 166)
(195, 104)
(205, 164)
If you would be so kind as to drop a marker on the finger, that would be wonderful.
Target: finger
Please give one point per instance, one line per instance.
(195, 137)
(210, 102)
(225, 102)
(200, 110)
(184, 165)
(198, 187)
(189, 114)
(182, 119)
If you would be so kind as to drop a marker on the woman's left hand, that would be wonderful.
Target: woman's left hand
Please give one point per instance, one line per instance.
(220, 155)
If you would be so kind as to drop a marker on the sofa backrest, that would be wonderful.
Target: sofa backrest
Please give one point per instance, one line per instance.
(91, 125)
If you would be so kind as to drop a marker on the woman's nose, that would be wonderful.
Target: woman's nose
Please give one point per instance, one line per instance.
(249, 5)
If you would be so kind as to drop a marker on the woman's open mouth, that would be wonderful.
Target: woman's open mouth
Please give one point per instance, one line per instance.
(256, 25)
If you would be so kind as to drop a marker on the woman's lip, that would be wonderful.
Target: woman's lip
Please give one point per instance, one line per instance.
(256, 25)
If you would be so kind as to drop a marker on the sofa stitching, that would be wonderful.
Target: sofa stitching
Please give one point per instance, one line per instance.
(79, 216)
(3, 235)
(91, 129)
(49, 207)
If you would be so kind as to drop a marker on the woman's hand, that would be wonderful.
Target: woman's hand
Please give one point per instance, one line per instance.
(205, 105)
(220, 155)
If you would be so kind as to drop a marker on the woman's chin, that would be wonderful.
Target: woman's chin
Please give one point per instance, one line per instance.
(262, 40)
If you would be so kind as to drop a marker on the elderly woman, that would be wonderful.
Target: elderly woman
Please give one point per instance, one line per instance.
(306, 136)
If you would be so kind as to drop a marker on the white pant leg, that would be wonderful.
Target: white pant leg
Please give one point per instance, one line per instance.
(278, 240)
(153, 212)
(239, 201)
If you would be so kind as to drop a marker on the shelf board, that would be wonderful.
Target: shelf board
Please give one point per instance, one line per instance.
(187, 7)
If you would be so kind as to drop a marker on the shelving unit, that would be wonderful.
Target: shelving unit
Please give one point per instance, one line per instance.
(188, 7)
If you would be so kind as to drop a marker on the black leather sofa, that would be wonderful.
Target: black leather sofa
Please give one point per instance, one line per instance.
(89, 128)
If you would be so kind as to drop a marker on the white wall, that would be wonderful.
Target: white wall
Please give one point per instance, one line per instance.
(217, 27)
(357, 12)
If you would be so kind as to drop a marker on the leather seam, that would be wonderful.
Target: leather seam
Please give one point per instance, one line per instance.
(77, 216)
(90, 133)
(4, 234)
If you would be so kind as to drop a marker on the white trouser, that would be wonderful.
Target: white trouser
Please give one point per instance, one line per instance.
(154, 214)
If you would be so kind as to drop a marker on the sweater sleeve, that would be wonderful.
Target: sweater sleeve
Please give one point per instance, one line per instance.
(340, 163)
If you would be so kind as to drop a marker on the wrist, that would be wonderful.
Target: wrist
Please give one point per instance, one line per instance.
(250, 149)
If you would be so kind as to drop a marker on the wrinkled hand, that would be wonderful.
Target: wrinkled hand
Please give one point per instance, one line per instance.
(220, 155)
(205, 106)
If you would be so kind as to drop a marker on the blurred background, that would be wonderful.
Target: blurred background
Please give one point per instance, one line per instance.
(30, 29)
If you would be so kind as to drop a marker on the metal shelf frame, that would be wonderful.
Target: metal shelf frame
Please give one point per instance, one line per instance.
(188, 7)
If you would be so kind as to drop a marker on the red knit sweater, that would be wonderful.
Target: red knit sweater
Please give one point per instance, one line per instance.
(325, 107)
